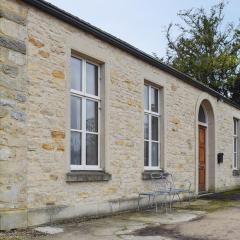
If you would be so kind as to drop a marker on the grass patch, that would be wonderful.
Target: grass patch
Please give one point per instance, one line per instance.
(12, 238)
(234, 191)
(213, 202)
(210, 206)
(20, 234)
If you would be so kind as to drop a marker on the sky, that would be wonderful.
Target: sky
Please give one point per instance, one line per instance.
(142, 23)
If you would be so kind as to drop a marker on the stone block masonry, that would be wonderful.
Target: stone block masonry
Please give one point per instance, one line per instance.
(36, 184)
(13, 104)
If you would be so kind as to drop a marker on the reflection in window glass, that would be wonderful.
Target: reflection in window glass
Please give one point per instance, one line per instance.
(92, 116)
(154, 154)
(201, 115)
(146, 97)
(154, 100)
(76, 148)
(76, 74)
(92, 149)
(154, 128)
(146, 153)
(235, 126)
(146, 126)
(92, 79)
(76, 112)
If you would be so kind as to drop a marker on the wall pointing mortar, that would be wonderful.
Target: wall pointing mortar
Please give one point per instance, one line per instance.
(35, 123)
(13, 129)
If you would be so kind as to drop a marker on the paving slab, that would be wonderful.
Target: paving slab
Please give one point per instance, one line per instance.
(174, 217)
(122, 226)
(49, 230)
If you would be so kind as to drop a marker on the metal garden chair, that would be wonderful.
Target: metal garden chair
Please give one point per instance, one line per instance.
(185, 189)
(161, 187)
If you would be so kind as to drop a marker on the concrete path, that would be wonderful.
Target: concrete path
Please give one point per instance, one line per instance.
(221, 222)
(126, 226)
(204, 219)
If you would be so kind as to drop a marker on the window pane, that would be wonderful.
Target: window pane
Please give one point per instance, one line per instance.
(146, 97)
(146, 153)
(76, 113)
(154, 100)
(76, 148)
(92, 149)
(146, 126)
(235, 126)
(235, 144)
(154, 154)
(154, 128)
(201, 115)
(76, 74)
(235, 160)
(92, 79)
(92, 116)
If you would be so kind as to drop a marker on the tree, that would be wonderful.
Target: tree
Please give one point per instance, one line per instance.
(206, 50)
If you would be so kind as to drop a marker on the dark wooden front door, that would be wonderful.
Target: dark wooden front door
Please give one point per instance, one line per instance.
(202, 159)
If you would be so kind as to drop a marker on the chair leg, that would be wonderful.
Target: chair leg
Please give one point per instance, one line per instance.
(173, 196)
(156, 205)
(165, 202)
(149, 197)
(153, 200)
(170, 203)
(138, 202)
(180, 201)
(171, 200)
(190, 197)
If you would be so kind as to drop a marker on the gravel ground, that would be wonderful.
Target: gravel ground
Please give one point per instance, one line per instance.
(20, 234)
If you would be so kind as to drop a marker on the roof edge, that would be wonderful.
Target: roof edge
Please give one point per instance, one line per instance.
(79, 23)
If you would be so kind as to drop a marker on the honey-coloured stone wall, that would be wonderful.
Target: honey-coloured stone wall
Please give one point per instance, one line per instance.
(35, 58)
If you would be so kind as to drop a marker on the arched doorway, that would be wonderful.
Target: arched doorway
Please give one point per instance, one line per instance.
(206, 148)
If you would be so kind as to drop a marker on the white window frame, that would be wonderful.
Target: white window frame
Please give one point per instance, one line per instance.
(150, 113)
(83, 95)
(236, 138)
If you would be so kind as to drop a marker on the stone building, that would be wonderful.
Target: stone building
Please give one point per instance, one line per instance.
(85, 118)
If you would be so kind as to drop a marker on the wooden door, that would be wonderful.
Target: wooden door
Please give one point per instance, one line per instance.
(202, 159)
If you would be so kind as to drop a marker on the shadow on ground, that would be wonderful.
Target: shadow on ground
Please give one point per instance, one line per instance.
(233, 195)
(167, 231)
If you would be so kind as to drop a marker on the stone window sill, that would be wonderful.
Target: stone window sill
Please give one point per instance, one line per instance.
(236, 173)
(87, 176)
(146, 175)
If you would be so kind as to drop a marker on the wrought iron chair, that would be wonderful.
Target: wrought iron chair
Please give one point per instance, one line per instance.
(161, 187)
(185, 189)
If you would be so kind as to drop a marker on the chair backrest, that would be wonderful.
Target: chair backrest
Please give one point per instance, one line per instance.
(170, 178)
(160, 182)
(187, 183)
